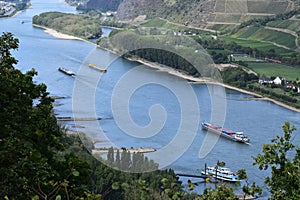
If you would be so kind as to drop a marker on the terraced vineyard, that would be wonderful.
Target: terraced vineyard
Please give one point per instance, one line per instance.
(263, 46)
(268, 6)
(262, 34)
(293, 25)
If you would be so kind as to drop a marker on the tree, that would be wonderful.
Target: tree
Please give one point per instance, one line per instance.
(32, 161)
(222, 192)
(283, 157)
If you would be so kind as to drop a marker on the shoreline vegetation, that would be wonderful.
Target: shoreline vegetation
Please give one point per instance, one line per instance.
(159, 67)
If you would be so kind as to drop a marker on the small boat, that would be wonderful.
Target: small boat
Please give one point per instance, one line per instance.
(235, 136)
(221, 173)
(102, 69)
(66, 71)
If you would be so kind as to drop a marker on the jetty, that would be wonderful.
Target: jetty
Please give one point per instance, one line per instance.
(131, 150)
(192, 175)
(57, 97)
(78, 119)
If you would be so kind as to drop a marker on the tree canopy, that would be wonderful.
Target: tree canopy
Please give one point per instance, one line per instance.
(283, 159)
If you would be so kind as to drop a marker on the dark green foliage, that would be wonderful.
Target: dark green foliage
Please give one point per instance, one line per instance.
(281, 97)
(38, 160)
(248, 189)
(221, 193)
(30, 137)
(77, 25)
(103, 5)
(283, 159)
(237, 76)
(166, 58)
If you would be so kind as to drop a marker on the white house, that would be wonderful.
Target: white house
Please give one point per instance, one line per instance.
(277, 81)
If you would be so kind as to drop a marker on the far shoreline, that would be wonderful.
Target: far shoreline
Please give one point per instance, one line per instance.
(172, 71)
(60, 35)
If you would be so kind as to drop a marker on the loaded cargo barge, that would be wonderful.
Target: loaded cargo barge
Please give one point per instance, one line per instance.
(232, 135)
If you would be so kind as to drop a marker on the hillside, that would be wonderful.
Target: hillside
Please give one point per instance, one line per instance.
(199, 12)
(103, 5)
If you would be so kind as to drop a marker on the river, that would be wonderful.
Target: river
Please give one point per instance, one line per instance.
(160, 97)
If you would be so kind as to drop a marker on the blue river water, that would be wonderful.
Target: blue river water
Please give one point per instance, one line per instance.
(260, 120)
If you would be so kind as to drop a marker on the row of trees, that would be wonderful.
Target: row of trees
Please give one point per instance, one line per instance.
(282, 97)
(130, 162)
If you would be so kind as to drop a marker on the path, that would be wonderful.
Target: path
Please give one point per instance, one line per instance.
(286, 31)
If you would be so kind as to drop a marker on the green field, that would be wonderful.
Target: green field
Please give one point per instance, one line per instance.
(256, 33)
(273, 69)
(244, 59)
(293, 25)
(221, 27)
(263, 46)
(159, 23)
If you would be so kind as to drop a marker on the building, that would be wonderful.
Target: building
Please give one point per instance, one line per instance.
(265, 80)
(239, 55)
(278, 80)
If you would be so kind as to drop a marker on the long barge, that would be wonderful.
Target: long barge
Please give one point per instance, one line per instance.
(101, 69)
(66, 71)
(232, 135)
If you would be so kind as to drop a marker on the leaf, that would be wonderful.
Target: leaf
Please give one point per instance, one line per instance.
(58, 197)
(125, 186)
(36, 197)
(75, 173)
(115, 186)
(142, 182)
(164, 180)
(64, 184)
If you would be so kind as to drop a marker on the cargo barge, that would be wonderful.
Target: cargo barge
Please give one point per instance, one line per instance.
(232, 135)
(66, 71)
(101, 69)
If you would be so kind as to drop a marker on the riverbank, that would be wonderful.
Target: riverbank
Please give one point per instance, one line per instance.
(169, 70)
(60, 35)
(204, 80)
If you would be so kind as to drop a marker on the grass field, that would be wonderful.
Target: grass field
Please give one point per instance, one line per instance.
(273, 69)
(159, 23)
(244, 59)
